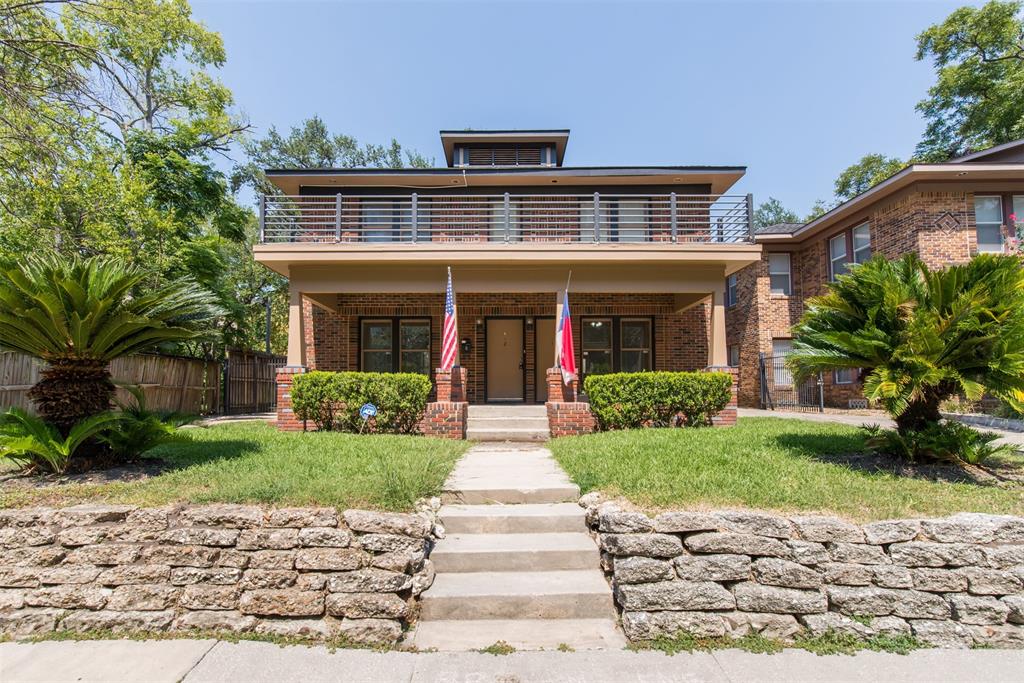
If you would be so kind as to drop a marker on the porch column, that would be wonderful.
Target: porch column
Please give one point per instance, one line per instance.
(718, 355)
(296, 330)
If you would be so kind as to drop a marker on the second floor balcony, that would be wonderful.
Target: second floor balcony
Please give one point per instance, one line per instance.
(507, 218)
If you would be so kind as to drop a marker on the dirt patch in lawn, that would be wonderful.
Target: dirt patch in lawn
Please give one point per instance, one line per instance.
(1003, 473)
(140, 470)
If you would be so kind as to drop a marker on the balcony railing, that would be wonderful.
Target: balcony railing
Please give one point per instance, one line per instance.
(507, 218)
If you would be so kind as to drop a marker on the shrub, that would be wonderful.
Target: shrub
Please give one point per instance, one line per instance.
(331, 400)
(945, 441)
(36, 445)
(628, 400)
(141, 429)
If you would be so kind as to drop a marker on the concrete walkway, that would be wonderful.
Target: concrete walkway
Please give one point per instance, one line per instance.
(205, 661)
(1015, 439)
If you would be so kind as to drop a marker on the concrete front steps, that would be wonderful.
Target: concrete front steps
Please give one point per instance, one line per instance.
(517, 564)
(515, 422)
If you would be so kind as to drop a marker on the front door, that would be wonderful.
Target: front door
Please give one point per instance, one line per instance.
(544, 353)
(505, 359)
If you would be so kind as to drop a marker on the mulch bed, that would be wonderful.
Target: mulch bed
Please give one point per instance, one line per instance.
(995, 473)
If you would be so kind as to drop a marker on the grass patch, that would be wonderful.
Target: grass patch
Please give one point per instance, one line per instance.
(332, 644)
(829, 643)
(498, 648)
(773, 463)
(255, 463)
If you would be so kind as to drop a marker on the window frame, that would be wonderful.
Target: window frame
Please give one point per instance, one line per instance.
(789, 273)
(396, 341)
(845, 237)
(787, 374)
(1002, 222)
(616, 339)
(644, 226)
(733, 352)
(851, 380)
(853, 242)
(731, 290)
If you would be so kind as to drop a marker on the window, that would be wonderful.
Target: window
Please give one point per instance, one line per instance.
(843, 376)
(617, 345)
(988, 219)
(734, 355)
(631, 221)
(635, 345)
(378, 222)
(395, 345)
(780, 349)
(862, 243)
(730, 290)
(837, 255)
(778, 273)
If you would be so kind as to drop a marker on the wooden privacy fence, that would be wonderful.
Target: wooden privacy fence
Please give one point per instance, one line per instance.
(250, 381)
(188, 385)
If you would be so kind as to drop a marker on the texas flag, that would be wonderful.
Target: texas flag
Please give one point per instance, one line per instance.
(565, 356)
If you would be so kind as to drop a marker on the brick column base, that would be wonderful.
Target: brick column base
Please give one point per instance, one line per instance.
(567, 416)
(286, 420)
(446, 417)
(727, 416)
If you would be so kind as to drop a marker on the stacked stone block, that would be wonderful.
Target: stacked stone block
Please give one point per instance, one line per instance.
(305, 572)
(950, 582)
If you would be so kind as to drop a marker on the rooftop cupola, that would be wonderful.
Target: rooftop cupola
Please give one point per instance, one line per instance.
(504, 148)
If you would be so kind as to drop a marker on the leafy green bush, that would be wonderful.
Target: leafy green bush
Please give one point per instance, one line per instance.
(331, 400)
(628, 400)
(141, 429)
(35, 445)
(945, 441)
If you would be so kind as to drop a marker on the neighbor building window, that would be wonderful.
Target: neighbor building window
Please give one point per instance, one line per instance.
(778, 273)
(780, 349)
(862, 243)
(988, 220)
(843, 376)
(730, 290)
(837, 255)
(734, 355)
(395, 345)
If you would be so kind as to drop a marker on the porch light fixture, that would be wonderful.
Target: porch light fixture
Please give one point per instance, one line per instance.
(479, 321)
(529, 322)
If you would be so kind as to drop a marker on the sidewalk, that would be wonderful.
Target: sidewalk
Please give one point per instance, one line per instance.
(201, 661)
(1016, 439)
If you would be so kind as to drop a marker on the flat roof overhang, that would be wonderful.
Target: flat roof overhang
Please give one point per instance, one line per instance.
(719, 178)
(557, 137)
(724, 259)
(909, 176)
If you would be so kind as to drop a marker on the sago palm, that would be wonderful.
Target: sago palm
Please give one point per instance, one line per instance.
(78, 314)
(920, 336)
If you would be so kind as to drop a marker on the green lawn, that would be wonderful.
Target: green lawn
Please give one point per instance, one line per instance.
(255, 463)
(781, 464)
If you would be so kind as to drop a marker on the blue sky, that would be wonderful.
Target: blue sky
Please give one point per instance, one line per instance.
(796, 91)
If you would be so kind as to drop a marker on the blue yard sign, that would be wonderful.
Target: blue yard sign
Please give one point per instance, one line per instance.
(367, 411)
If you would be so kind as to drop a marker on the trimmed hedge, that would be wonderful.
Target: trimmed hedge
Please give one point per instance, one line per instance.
(331, 400)
(627, 400)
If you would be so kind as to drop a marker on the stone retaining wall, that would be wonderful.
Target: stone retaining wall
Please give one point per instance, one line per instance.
(308, 572)
(950, 582)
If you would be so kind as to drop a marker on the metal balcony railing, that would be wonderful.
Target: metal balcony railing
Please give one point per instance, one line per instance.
(507, 218)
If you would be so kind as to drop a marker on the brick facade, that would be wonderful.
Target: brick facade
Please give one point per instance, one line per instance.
(937, 225)
(332, 338)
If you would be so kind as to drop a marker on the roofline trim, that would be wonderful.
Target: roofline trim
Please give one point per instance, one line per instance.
(562, 170)
(986, 152)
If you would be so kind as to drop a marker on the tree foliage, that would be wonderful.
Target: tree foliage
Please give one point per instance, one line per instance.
(771, 212)
(978, 98)
(865, 174)
(920, 336)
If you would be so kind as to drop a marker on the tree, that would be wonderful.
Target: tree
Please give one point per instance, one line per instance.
(79, 314)
(977, 100)
(311, 145)
(772, 212)
(865, 174)
(919, 336)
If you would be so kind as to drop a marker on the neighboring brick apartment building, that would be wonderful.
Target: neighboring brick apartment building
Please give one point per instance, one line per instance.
(366, 251)
(945, 212)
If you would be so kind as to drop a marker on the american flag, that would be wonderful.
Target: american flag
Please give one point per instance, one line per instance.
(450, 332)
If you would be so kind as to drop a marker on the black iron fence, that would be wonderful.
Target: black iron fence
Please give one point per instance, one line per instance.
(779, 391)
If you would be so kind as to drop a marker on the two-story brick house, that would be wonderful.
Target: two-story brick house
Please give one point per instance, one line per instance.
(945, 212)
(366, 252)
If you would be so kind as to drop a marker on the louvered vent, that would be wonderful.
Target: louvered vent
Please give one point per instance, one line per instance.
(505, 155)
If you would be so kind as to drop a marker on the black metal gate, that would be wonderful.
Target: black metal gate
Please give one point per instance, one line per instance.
(780, 392)
(250, 381)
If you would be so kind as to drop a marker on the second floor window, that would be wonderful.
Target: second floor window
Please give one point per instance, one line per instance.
(730, 290)
(837, 256)
(779, 273)
(988, 220)
(862, 243)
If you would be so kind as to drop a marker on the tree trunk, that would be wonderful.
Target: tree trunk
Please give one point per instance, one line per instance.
(71, 390)
(921, 412)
